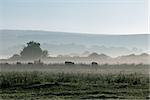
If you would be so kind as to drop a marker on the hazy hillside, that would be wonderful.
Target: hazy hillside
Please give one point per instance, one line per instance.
(12, 41)
(93, 57)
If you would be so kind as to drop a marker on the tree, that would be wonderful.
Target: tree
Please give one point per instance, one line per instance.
(33, 51)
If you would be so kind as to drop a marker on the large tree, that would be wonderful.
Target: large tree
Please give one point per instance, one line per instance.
(33, 51)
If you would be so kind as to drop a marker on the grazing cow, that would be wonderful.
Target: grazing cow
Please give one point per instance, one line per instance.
(69, 63)
(18, 63)
(30, 63)
(6, 63)
(94, 63)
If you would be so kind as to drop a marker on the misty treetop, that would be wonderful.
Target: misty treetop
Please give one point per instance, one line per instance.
(32, 51)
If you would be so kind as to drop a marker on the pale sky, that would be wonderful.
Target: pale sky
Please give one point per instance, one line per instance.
(81, 16)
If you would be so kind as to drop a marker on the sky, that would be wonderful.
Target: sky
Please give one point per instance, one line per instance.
(79, 16)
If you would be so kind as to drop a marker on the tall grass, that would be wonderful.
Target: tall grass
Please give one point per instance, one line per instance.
(19, 79)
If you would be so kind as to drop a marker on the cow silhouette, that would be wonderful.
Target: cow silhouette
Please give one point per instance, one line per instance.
(18, 63)
(94, 64)
(6, 63)
(69, 63)
(30, 63)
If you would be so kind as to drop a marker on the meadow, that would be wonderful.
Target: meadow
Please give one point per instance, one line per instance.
(58, 81)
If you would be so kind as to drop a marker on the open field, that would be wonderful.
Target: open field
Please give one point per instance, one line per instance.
(32, 82)
(78, 68)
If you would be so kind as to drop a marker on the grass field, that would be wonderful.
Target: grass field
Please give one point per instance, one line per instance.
(32, 85)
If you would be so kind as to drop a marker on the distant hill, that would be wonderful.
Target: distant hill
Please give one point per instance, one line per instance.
(141, 58)
(98, 56)
(12, 41)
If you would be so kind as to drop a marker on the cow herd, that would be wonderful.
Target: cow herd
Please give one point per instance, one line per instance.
(39, 62)
(72, 63)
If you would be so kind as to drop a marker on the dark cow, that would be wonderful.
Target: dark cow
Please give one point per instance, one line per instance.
(6, 63)
(30, 63)
(94, 64)
(69, 63)
(18, 63)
